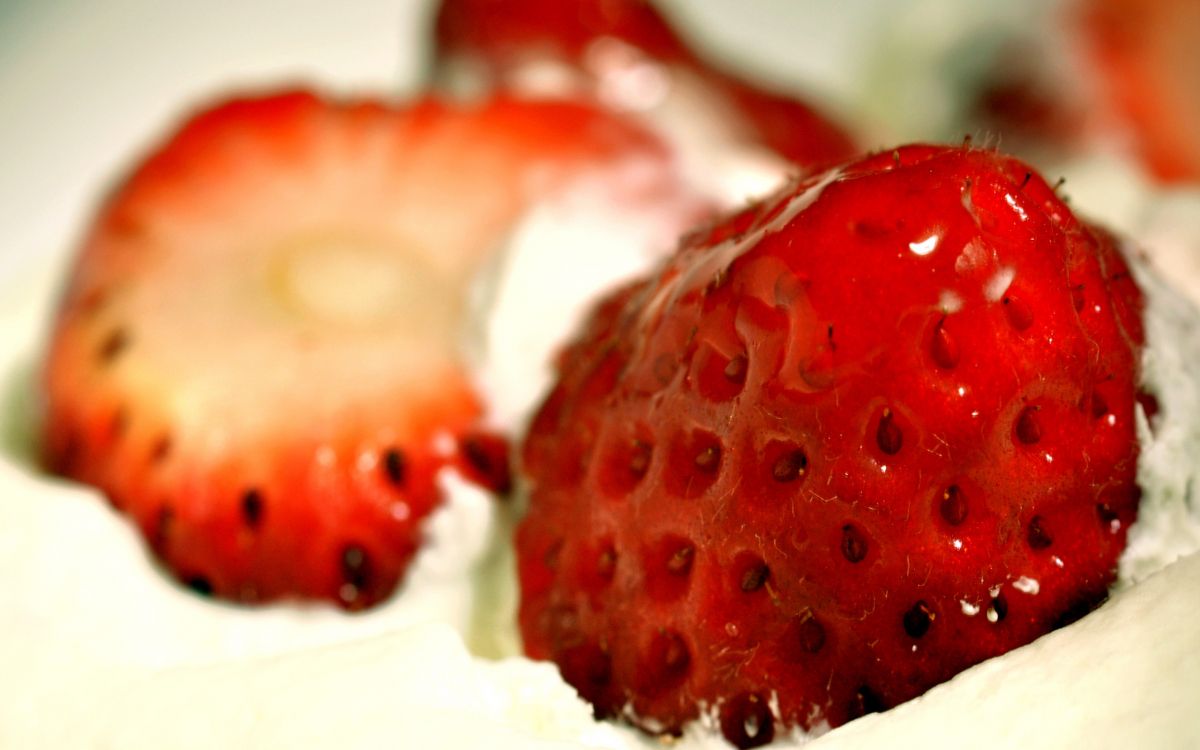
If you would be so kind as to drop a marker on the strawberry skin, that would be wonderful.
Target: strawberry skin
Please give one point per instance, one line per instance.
(844, 444)
(506, 39)
(257, 354)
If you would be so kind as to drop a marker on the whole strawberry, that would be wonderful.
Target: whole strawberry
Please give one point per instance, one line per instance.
(843, 445)
(258, 354)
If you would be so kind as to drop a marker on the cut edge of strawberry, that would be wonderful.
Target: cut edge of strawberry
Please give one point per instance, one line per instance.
(100, 366)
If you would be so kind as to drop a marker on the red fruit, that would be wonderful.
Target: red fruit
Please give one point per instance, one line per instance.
(624, 51)
(258, 356)
(505, 31)
(1147, 53)
(843, 445)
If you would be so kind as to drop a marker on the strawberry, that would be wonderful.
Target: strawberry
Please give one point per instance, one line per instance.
(257, 355)
(1147, 54)
(844, 444)
(624, 51)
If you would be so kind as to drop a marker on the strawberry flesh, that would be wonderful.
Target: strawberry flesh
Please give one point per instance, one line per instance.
(257, 357)
(843, 445)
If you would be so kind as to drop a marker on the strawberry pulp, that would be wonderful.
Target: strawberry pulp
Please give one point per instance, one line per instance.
(257, 355)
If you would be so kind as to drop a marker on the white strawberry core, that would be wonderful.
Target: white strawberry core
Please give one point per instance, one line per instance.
(352, 281)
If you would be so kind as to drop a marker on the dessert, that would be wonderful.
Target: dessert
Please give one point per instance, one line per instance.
(844, 444)
(134, 661)
(257, 355)
(148, 664)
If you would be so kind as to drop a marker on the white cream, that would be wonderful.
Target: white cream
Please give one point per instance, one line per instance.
(600, 231)
(1167, 225)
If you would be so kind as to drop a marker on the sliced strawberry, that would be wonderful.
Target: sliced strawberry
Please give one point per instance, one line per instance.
(626, 53)
(257, 357)
(1148, 55)
(844, 444)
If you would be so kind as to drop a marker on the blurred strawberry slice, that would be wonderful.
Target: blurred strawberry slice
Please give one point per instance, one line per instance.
(627, 54)
(259, 355)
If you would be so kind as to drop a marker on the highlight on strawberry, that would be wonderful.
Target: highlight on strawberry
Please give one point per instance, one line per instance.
(844, 444)
(626, 54)
(257, 357)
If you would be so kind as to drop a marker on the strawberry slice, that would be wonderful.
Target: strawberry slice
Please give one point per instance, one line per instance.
(257, 357)
(843, 445)
(627, 54)
(1147, 53)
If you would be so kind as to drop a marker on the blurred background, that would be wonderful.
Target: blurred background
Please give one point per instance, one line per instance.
(85, 85)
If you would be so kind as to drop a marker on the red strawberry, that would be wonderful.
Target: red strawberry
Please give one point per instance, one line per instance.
(843, 445)
(257, 357)
(1148, 55)
(624, 51)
